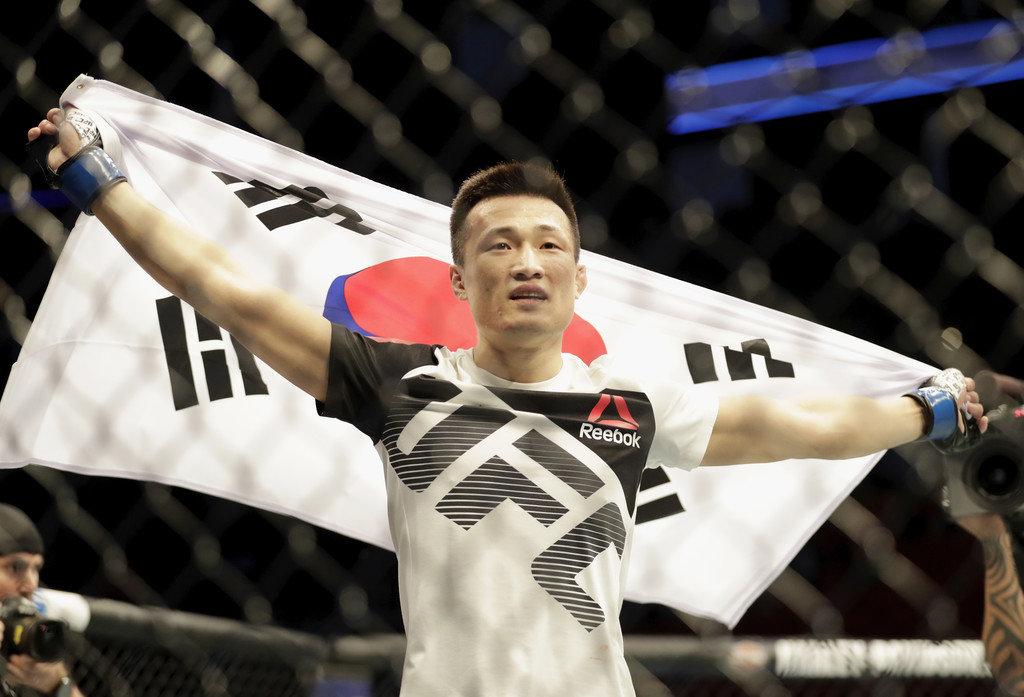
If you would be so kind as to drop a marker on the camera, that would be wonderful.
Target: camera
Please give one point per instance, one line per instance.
(25, 631)
(989, 478)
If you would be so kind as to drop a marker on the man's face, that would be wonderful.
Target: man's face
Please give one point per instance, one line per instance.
(19, 574)
(520, 274)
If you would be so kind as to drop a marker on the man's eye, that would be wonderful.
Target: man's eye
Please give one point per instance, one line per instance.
(501, 245)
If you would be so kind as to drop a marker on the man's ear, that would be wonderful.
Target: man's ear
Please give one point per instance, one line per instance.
(455, 278)
(581, 280)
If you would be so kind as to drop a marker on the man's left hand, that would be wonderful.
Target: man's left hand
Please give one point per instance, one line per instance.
(41, 677)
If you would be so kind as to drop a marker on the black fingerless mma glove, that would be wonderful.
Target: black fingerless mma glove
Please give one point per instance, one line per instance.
(938, 400)
(86, 174)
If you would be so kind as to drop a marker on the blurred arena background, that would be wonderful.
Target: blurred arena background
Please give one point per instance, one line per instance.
(898, 222)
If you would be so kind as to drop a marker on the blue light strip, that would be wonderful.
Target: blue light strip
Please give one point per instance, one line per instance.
(47, 198)
(832, 77)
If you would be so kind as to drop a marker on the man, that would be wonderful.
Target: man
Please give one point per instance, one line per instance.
(21, 560)
(500, 599)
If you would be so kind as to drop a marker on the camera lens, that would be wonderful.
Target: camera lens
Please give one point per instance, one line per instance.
(47, 641)
(998, 476)
(993, 475)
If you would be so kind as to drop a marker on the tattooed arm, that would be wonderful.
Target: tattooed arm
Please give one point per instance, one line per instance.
(1003, 628)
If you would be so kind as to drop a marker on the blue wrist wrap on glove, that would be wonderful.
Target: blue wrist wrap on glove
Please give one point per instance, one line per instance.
(940, 411)
(89, 173)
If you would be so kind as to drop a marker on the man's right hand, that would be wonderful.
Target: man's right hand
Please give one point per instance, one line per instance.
(69, 138)
(67, 147)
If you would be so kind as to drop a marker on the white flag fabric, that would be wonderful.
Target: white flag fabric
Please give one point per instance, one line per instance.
(117, 378)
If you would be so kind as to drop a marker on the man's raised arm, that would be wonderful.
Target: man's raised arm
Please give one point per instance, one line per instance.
(287, 335)
(833, 427)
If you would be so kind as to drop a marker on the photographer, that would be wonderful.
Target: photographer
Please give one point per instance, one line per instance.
(982, 488)
(21, 559)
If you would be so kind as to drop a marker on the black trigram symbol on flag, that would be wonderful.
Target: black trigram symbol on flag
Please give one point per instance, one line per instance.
(293, 205)
(740, 364)
(661, 507)
(216, 367)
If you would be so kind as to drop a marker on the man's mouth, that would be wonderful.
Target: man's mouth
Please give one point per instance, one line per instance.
(528, 294)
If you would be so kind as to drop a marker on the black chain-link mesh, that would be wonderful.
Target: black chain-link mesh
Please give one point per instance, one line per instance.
(123, 668)
(898, 222)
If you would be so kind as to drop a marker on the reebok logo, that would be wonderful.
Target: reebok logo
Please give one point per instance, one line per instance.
(611, 431)
(625, 419)
(610, 435)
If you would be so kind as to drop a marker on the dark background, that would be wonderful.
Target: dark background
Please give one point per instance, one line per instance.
(831, 234)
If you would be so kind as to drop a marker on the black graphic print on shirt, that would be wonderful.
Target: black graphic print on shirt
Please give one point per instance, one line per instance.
(510, 445)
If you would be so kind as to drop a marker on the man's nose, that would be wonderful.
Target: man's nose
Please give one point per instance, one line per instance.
(29, 583)
(527, 263)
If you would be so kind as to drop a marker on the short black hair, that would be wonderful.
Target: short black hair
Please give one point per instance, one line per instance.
(509, 179)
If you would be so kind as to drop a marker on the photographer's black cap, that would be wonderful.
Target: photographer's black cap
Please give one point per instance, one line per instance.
(17, 532)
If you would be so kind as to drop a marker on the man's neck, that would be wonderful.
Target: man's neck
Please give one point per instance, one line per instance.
(520, 363)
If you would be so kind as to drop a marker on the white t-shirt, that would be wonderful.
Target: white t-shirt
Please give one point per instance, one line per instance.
(511, 508)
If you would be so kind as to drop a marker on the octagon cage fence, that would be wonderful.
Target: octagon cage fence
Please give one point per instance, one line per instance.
(879, 206)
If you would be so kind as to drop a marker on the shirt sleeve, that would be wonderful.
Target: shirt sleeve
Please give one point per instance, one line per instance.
(684, 418)
(362, 375)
